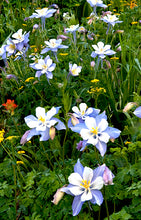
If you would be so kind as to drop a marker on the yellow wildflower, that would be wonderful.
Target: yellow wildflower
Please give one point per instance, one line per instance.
(21, 152)
(33, 46)
(24, 24)
(28, 79)
(127, 142)
(114, 58)
(19, 162)
(63, 54)
(20, 87)
(95, 80)
(134, 22)
(2, 135)
(11, 137)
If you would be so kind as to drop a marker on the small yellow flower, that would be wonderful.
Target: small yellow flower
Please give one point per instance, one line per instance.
(2, 135)
(109, 4)
(33, 46)
(19, 162)
(77, 5)
(63, 54)
(21, 88)
(128, 142)
(29, 79)
(114, 58)
(11, 137)
(114, 9)
(134, 22)
(21, 152)
(24, 24)
(95, 80)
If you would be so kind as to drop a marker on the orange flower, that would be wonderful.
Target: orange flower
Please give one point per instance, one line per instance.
(133, 4)
(10, 106)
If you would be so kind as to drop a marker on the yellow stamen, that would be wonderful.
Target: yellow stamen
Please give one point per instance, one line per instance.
(85, 184)
(41, 119)
(94, 131)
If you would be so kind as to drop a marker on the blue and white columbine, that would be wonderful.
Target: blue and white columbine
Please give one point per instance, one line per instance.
(43, 123)
(96, 3)
(84, 185)
(111, 20)
(96, 131)
(101, 51)
(43, 14)
(44, 66)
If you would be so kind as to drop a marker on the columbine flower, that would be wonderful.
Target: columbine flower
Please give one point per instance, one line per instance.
(111, 20)
(137, 112)
(53, 45)
(21, 40)
(43, 123)
(10, 47)
(84, 185)
(43, 14)
(3, 51)
(101, 51)
(72, 29)
(74, 70)
(44, 66)
(96, 131)
(10, 106)
(96, 3)
(81, 113)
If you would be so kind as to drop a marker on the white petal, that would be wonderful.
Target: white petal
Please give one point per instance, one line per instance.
(107, 47)
(90, 123)
(75, 109)
(98, 183)
(40, 112)
(49, 62)
(104, 137)
(83, 107)
(100, 45)
(75, 179)
(76, 190)
(85, 134)
(103, 124)
(87, 195)
(51, 113)
(93, 140)
(87, 174)
(95, 47)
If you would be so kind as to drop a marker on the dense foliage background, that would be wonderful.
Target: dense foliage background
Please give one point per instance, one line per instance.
(31, 173)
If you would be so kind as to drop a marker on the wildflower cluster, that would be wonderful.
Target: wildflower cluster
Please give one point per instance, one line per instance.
(2, 135)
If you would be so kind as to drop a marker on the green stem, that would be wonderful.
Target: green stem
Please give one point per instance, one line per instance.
(106, 205)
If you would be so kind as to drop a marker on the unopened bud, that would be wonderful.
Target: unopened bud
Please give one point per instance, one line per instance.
(58, 196)
(129, 106)
(52, 133)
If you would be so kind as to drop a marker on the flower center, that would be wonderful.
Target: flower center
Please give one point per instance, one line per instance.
(101, 50)
(83, 112)
(44, 66)
(41, 119)
(53, 44)
(74, 72)
(12, 46)
(19, 37)
(94, 131)
(85, 184)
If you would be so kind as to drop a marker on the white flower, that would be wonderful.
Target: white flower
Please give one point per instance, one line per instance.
(72, 28)
(74, 70)
(19, 37)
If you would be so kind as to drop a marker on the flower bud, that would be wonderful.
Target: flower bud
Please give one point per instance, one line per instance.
(108, 176)
(52, 133)
(129, 106)
(58, 196)
(92, 64)
(74, 120)
(24, 137)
